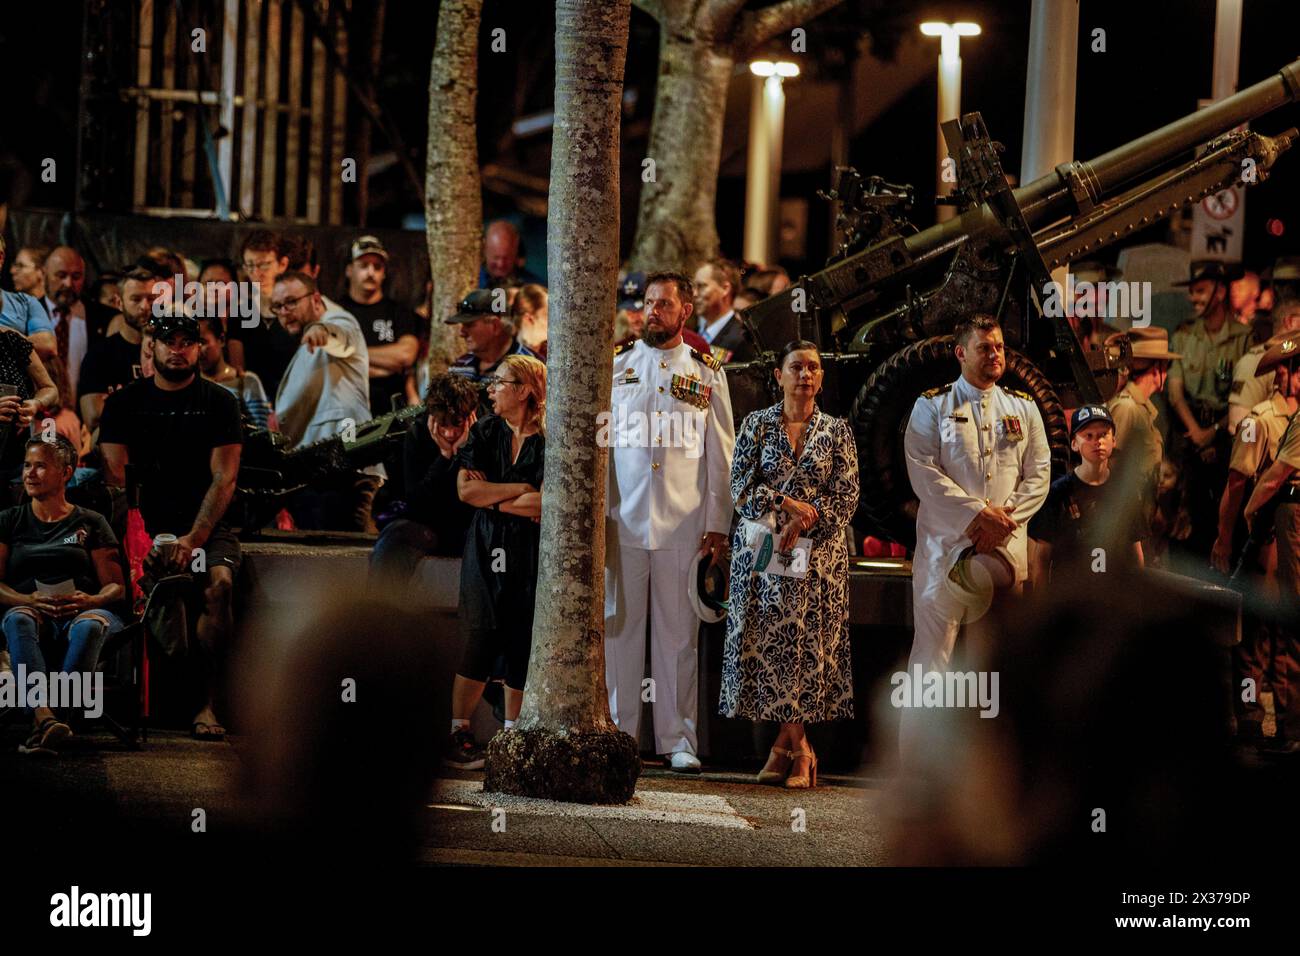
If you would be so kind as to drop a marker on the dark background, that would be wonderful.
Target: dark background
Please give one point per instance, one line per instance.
(1157, 65)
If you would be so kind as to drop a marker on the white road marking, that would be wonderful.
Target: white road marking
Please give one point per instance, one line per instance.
(646, 806)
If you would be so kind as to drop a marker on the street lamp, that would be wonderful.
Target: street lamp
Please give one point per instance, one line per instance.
(763, 170)
(950, 35)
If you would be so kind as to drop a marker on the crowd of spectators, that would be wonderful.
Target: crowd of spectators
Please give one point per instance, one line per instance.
(132, 401)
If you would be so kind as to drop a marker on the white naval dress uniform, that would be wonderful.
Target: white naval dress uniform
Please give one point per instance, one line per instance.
(669, 483)
(982, 463)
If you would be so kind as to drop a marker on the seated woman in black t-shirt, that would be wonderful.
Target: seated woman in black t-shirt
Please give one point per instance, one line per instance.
(59, 575)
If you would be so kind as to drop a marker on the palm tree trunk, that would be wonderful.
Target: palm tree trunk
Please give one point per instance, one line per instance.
(565, 745)
(453, 200)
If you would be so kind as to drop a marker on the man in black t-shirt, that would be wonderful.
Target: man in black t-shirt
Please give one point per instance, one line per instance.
(1087, 525)
(114, 360)
(260, 344)
(390, 329)
(181, 434)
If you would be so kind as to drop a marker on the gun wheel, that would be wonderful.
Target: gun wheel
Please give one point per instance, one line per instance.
(880, 413)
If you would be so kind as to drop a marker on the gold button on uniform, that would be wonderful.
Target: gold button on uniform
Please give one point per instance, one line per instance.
(661, 388)
(654, 466)
(663, 364)
(988, 477)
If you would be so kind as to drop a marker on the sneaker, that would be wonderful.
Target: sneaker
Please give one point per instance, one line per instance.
(463, 753)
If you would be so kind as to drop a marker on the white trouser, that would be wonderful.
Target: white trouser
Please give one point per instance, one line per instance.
(937, 619)
(637, 580)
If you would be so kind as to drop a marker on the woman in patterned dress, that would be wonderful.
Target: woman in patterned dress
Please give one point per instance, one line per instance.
(786, 656)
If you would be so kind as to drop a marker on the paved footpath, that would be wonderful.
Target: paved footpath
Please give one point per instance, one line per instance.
(715, 819)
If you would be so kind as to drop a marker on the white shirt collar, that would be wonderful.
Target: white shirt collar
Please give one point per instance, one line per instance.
(76, 311)
(713, 328)
(966, 384)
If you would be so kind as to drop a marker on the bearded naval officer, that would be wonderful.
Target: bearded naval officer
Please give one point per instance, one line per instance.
(670, 441)
(978, 460)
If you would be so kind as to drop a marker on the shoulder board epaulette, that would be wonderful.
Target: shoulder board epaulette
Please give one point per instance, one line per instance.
(941, 390)
(708, 360)
(625, 347)
(1263, 408)
(1018, 393)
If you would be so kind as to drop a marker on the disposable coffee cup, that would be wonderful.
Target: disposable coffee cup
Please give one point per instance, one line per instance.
(6, 389)
(166, 545)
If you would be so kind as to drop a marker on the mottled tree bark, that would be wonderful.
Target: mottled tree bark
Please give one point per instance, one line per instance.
(565, 746)
(453, 200)
(699, 46)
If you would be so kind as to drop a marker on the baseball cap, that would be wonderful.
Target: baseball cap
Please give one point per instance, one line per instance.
(368, 246)
(1087, 415)
(476, 305)
(631, 294)
(163, 327)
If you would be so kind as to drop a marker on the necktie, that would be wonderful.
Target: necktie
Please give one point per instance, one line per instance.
(61, 376)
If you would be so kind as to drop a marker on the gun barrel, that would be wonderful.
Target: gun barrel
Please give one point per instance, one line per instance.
(1049, 198)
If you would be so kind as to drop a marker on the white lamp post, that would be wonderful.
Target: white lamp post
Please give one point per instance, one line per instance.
(950, 35)
(763, 172)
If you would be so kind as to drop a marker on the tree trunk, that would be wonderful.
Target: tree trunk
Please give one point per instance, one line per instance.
(700, 42)
(676, 225)
(565, 746)
(453, 200)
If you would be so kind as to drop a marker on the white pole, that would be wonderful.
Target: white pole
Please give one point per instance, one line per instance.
(949, 108)
(1049, 87)
(1227, 48)
(763, 171)
(226, 107)
(1049, 94)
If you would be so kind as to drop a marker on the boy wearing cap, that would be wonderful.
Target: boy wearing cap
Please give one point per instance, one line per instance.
(389, 329)
(1080, 516)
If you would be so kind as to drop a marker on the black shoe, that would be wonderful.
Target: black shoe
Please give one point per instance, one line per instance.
(463, 753)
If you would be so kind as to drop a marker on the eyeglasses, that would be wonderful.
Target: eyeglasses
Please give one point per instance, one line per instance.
(492, 381)
(288, 304)
(258, 267)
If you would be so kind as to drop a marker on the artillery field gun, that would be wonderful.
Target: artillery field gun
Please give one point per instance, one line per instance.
(883, 308)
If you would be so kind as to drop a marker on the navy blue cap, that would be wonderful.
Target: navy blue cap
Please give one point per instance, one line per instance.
(1087, 414)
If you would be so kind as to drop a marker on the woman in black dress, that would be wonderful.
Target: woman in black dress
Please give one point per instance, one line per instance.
(501, 476)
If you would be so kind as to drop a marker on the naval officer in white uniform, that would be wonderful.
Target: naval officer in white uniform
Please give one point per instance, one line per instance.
(670, 438)
(978, 459)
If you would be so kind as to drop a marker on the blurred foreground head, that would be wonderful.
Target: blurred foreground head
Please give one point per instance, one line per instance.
(343, 706)
(1113, 712)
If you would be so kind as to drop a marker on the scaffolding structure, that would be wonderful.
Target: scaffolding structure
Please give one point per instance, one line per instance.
(238, 110)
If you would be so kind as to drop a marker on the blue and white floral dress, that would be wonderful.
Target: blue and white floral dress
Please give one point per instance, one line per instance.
(786, 656)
